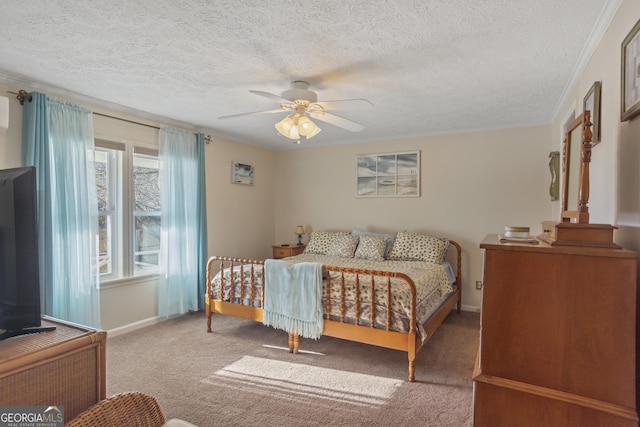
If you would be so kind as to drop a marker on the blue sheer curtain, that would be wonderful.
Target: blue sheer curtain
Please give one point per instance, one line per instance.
(203, 247)
(183, 210)
(58, 141)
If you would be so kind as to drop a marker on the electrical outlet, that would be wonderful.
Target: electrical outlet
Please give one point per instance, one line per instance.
(479, 285)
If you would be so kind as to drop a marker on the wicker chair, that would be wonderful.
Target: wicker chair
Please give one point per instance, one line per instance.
(131, 409)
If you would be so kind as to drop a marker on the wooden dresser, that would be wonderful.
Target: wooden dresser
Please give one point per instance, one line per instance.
(557, 338)
(65, 367)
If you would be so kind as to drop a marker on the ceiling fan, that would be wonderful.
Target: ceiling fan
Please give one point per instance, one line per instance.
(303, 104)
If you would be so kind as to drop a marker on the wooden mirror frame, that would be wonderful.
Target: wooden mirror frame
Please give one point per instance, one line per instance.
(576, 156)
(574, 228)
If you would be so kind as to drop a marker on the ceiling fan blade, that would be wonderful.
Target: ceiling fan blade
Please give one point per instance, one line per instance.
(271, 96)
(336, 121)
(344, 104)
(232, 116)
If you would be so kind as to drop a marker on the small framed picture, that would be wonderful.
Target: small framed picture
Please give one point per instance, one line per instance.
(591, 102)
(242, 173)
(630, 91)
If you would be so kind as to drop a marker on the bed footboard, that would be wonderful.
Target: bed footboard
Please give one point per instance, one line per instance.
(251, 291)
(355, 302)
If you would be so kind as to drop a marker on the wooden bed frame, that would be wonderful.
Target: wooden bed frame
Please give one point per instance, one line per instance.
(408, 342)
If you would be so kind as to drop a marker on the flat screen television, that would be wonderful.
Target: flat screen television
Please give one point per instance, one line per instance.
(19, 274)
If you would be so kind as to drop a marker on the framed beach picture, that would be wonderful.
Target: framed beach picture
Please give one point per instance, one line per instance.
(241, 173)
(388, 175)
(630, 91)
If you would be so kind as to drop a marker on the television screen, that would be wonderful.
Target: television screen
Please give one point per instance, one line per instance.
(19, 274)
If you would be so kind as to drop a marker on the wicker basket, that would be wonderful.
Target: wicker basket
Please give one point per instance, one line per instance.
(132, 409)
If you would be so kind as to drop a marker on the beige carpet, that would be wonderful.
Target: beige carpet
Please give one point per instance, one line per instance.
(243, 375)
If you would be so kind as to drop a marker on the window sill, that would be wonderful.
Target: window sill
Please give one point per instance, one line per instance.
(127, 281)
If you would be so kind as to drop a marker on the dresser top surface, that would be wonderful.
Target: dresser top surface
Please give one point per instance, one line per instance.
(492, 241)
(16, 346)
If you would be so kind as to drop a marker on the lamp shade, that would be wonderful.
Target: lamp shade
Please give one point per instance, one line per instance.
(288, 127)
(299, 230)
(4, 114)
(307, 128)
(297, 125)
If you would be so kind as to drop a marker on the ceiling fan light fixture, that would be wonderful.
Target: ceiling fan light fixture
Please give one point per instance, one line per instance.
(302, 105)
(307, 128)
(288, 127)
(296, 126)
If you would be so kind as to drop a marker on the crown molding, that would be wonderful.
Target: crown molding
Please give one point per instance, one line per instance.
(601, 26)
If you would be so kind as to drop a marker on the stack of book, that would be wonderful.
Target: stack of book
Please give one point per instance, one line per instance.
(514, 234)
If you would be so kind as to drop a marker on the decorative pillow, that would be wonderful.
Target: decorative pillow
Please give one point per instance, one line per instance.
(320, 241)
(390, 238)
(344, 246)
(371, 248)
(414, 246)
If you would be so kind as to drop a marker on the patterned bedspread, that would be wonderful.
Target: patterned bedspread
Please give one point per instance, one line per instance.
(432, 286)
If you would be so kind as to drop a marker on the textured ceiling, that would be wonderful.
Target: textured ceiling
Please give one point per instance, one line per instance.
(427, 66)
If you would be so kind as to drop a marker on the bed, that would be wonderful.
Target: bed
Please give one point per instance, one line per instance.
(391, 291)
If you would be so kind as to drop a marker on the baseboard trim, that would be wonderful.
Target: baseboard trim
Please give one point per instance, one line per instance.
(121, 330)
(472, 308)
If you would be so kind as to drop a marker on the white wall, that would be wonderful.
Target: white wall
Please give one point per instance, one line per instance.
(240, 217)
(472, 184)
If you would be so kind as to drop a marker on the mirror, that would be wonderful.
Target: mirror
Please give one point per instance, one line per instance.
(576, 156)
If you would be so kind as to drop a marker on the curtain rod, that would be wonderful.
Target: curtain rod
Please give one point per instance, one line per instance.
(23, 95)
(125, 120)
(207, 139)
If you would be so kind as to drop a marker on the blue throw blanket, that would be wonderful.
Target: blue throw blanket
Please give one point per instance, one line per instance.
(293, 297)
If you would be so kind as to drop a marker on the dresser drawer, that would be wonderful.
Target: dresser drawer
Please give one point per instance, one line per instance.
(280, 251)
(549, 231)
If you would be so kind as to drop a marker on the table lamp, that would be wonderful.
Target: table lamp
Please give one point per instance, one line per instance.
(299, 232)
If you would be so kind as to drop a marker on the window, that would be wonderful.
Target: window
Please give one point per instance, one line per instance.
(128, 186)
(146, 213)
(108, 168)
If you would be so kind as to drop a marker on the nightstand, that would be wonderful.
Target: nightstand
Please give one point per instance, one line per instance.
(280, 251)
